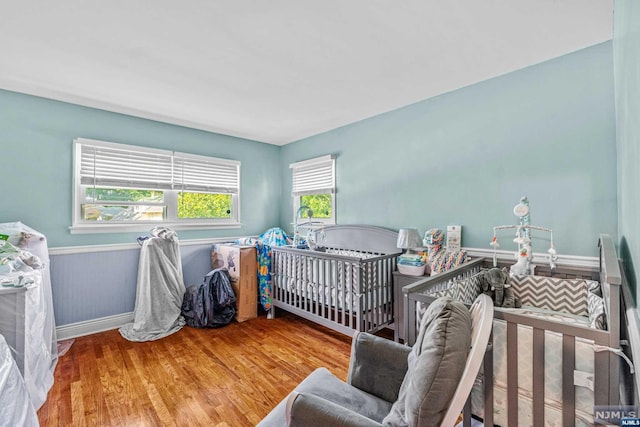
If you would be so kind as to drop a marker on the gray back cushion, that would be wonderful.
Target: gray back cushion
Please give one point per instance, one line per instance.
(436, 363)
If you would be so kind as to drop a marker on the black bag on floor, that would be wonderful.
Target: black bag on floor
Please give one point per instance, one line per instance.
(210, 304)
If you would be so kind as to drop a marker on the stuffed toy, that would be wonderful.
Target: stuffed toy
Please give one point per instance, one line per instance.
(495, 283)
(521, 267)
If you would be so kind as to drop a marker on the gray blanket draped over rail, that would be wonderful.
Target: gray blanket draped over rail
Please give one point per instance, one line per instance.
(160, 291)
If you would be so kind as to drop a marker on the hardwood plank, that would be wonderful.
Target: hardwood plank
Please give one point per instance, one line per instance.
(229, 376)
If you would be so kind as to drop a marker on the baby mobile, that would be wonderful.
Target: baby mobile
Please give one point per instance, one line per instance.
(524, 254)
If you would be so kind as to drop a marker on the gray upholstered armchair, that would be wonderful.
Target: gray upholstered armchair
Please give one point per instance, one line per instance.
(390, 384)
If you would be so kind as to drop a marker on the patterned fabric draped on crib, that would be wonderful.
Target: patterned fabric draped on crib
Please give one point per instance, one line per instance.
(270, 238)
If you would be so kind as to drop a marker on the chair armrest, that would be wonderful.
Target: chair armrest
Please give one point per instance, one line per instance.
(308, 410)
(377, 365)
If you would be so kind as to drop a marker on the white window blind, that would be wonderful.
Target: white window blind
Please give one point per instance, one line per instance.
(116, 165)
(314, 176)
(205, 174)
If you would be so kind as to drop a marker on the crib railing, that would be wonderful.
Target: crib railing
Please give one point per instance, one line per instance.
(423, 292)
(342, 289)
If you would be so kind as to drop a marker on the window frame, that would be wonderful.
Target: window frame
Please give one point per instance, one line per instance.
(327, 185)
(170, 191)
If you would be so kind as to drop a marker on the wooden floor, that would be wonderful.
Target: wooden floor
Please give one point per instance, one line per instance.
(231, 376)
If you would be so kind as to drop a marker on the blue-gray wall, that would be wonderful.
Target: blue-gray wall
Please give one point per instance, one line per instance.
(36, 161)
(627, 82)
(466, 157)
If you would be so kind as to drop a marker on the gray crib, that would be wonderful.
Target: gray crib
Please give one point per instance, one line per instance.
(541, 369)
(347, 288)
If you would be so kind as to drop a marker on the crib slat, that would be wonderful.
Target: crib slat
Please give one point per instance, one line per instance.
(384, 289)
(348, 286)
(369, 293)
(366, 294)
(568, 389)
(386, 294)
(278, 281)
(319, 285)
(314, 290)
(293, 291)
(601, 368)
(305, 297)
(346, 294)
(466, 413)
(288, 279)
(512, 380)
(488, 383)
(389, 285)
(365, 313)
(303, 286)
(355, 285)
(410, 307)
(377, 294)
(308, 288)
(538, 377)
(341, 288)
(336, 280)
(324, 311)
(292, 283)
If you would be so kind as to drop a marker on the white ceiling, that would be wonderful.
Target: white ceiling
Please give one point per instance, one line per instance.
(281, 70)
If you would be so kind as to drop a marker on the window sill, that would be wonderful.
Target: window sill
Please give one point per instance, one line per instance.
(146, 226)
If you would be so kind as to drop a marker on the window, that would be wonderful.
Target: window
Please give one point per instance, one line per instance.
(122, 187)
(313, 186)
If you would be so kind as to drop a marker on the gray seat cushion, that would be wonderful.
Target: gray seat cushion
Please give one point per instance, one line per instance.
(324, 384)
(436, 363)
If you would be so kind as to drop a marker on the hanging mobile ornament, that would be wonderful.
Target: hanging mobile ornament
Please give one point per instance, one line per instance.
(519, 239)
(553, 256)
(494, 243)
(523, 238)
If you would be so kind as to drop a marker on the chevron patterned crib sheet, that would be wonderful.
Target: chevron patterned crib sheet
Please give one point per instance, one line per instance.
(570, 296)
(563, 295)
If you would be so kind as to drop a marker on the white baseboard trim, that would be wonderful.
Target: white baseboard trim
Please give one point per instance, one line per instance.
(70, 250)
(538, 258)
(93, 326)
